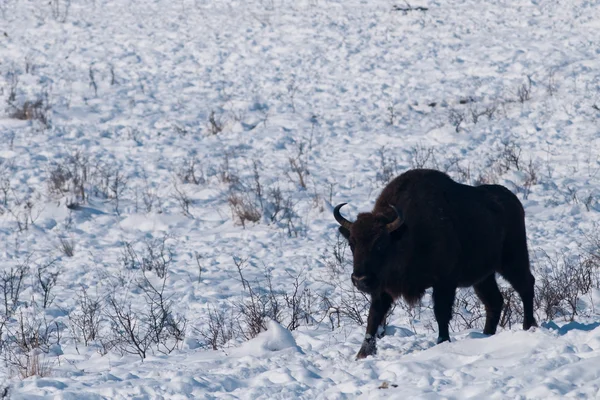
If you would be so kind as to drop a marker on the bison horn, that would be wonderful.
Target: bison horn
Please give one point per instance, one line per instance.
(338, 217)
(395, 224)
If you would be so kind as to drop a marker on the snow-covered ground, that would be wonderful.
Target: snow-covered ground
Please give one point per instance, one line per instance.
(320, 102)
(514, 364)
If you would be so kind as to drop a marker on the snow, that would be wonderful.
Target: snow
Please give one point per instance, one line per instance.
(342, 87)
(275, 338)
(512, 364)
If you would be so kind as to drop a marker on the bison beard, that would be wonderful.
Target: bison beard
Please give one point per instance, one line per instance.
(428, 231)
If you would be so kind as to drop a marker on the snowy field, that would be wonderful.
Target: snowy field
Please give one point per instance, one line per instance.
(168, 171)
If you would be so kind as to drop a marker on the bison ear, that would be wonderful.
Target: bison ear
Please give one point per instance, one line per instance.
(345, 232)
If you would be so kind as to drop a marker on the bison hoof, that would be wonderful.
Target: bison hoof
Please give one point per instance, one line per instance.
(442, 340)
(368, 348)
(529, 324)
(363, 353)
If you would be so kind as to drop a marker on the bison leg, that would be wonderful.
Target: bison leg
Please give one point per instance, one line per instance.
(489, 294)
(380, 305)
(443, 300)
(523, 282)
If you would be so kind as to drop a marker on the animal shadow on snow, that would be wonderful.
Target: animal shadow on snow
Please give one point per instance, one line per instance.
(409, 341)
(571, 326)
(418, 343)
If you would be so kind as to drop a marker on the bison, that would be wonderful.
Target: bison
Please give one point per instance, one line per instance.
(429, 231)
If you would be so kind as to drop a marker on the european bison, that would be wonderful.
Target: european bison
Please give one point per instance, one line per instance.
(427, 230)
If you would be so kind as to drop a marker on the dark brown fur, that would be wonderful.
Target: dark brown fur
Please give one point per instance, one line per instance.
(453, 235)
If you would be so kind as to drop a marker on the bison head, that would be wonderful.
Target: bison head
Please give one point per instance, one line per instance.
(369, 237)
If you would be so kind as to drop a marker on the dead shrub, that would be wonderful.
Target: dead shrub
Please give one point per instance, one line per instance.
(12, 284)
(506, 158)
(36, 110)
(139, 328)
(47, 277)
(342, 301)
(524, 91)
(191, 172)
(456, 118)
(154, 254)
(183, 199)
(71, 176)
(423, 157)
(388, 167)
(132, 332)
(30, 364)
(85, 320)
(247, 316)
(27, 341)
(468, 312)
(298, 166)
(215, 124)
(562, 283)
(220, 327)
(67, 247)
(243, 209)
(460, 173)
(531, 178)
(512, 312)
